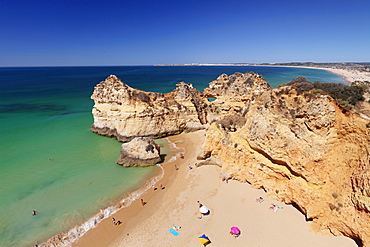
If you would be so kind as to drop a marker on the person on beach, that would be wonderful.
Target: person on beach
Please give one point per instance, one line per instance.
(142, 202)
(235, 232)
(203, 210)
(176, 228)
(116, 223)
(200, 205)
(34, 212)
(275, 207)
(259, 199)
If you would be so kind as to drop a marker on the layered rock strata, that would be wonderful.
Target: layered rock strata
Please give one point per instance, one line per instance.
(303, 151)
(301, 148)
(124, 112)
(140, 151)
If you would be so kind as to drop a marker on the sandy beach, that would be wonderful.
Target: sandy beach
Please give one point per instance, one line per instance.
(231, 204)
(350, 75)
(347, 75)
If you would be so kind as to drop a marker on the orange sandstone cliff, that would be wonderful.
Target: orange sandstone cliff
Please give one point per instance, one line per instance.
(302, 149)
(125, 113)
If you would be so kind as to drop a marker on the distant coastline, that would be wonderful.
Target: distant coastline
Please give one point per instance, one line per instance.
(208, 64)
(350, 72)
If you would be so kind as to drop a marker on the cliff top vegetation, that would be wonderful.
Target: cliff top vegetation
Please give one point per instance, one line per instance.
(347, 96)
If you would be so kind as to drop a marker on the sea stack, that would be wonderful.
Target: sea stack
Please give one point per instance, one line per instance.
(141, 151)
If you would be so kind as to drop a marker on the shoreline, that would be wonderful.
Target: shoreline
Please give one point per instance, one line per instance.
(69, 237)
(73, 235)
(231, 204)
(348, 76)
(97, 236)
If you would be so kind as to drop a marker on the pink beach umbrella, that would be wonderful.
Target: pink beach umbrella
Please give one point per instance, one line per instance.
(235, 230)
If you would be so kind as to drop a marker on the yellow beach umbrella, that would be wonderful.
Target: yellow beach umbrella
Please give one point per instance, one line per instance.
(204, 240)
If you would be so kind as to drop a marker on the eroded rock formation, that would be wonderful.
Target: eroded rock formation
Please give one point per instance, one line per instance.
(302, 149)
(124, 112)
(140, 151)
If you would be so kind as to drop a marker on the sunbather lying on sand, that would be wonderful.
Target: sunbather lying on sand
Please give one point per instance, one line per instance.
(275, 207)
(259, 199)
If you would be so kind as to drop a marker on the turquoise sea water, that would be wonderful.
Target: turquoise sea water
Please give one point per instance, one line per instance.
(51, 162)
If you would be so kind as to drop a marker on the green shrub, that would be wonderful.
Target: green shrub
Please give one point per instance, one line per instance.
(317, 91)
(344, 104)
(346, 95)
(351, 94)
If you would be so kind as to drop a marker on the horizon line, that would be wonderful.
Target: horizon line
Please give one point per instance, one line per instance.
(181, 64)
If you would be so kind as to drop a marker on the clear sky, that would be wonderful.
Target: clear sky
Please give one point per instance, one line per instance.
(144, 32)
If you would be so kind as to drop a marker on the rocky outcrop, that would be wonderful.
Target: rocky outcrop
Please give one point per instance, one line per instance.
(301, 148)
(236, 87)
(141, 151)
(124, 113)
(232, 93)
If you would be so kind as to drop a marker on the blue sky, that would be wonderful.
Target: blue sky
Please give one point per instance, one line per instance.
(144, 32)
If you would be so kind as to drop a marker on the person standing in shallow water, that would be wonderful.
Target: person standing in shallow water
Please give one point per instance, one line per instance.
(34, 212)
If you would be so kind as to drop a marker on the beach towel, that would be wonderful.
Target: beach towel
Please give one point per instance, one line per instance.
(174, 232)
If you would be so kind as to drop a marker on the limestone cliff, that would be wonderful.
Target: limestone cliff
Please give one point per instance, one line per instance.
(124, 113)
(301, 148)
(232, 93)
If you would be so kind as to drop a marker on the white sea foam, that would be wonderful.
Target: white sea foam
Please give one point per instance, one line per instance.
(67, 238)
(173, 146)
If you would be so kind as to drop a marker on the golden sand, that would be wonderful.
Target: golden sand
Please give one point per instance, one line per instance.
(231, 204)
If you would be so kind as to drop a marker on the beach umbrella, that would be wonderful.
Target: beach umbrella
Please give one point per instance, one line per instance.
(235, 230)
(204, 239)
(203, 210)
